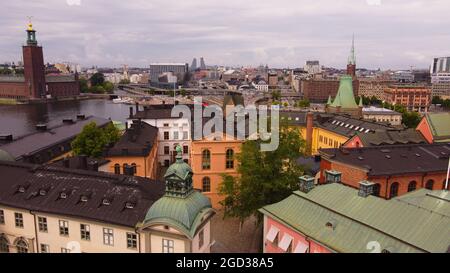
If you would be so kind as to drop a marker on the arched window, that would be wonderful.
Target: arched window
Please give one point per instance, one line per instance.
(206, 184)
(412, 186)
(394, 190)
(206, 160)
(230, 159)
(22, 246)
(4, 245)
(429, 185)
(376, 190)
(125, 166)
(134, 168)
(117, 169)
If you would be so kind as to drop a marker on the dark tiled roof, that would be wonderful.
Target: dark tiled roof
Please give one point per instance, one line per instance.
(394, 137)
(347, 126)
(35, 142)
(393, 160)
(117, 189)
(76, 162)
(137, 140)
(161, 111)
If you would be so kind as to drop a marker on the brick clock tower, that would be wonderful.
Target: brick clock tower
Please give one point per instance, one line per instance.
(34, 70)
(351, 66)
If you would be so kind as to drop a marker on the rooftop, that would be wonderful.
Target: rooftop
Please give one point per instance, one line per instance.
(391, 137)
(40, 140)
(137, 140)
(439, 125)
(337, 217)
(115, 199)
(393, 160)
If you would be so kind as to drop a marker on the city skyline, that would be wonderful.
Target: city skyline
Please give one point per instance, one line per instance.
(283, 34)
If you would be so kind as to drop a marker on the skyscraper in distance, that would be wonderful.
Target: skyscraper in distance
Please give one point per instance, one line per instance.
(194, 64)
(202, 64)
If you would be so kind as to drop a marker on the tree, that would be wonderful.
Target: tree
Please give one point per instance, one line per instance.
(92, 139)
(411, 119)
(437, 100)
(97, 79)
(108, 87)
(276, 95)
(124, 81)
(84, 88)
(304, 103)
(183, 92)
(272, 175)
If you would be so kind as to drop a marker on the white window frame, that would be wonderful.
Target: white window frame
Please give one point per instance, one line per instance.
(18, 220)
(86, 231)
(108, 236)
(63, 228)
(131, 240)
(168, 246)
(42, 222)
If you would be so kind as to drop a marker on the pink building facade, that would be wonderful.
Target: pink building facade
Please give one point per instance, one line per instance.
(281, 238)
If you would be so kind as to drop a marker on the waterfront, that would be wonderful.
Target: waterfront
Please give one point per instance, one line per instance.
(22, 119)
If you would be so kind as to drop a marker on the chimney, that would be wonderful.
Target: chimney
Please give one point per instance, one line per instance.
(7, 138)
(83, 162)
(66, 162)
(131, 112)
(309, 132)
(93, 166)
(126, 126)
(366, 188)
(306, 183)
(332, 177)
(41, 127)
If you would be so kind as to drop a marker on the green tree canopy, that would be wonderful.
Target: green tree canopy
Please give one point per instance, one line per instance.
(108, 86)
(97, 79)
(92, 140)
(83, 85)
(264, 177)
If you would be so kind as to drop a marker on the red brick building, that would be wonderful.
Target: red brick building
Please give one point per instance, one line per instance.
(319, 90)
(33, 83)
(413, 97)
(396, 170)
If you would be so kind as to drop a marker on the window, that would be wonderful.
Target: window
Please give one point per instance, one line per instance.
(166, 135)
(175, 135)
(85, 232)
(117, 169)
(166, 150)
(134, 166)
(18, 219)
(2, 217)
(376, 190)
(167, 246)
(166, 125)
(320, 138)
(108, 236)
(330, 142)
(22, 246)
(185, 135)
(4, 245)
(206, 184)
(45, 248)
(206, 160)
(394, 190)
(65, 250)
(230, 159)
(185, 149)
(42, 223)
(63, 228)
(201, 239)
(131, 240)
(412, 186)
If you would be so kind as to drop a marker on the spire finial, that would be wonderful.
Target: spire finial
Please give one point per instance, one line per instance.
(179, 153)
(352, 57)
(30, 24)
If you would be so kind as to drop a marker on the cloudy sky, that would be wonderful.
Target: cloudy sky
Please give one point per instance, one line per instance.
(284, 33)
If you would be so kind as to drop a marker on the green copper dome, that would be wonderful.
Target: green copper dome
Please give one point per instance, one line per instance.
(181, 207)
(5, 156)
(185, 214)
(345, 97)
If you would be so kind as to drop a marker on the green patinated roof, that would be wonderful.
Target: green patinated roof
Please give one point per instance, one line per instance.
(416, 222)
(439, 125)
(119, 125)
(345, 97)
(179, 169)
(183, 213)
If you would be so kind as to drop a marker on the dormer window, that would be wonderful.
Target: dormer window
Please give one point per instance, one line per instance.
(42, 192)
(84, 198)
(129, 205)
(106, 202)
(63, 195)
(21, 189)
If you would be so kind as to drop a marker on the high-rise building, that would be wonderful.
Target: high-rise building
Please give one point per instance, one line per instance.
(312, 67)
(440, 77)
(178, 69)
(194, 64)
(202, 64)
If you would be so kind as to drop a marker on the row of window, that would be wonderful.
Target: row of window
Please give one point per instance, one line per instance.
(85, 233)
(185, 150)
(176, 135)
(124, 166)
(412, 186)
(329, 141)
(206, 159)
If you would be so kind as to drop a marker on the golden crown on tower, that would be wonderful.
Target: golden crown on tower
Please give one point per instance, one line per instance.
(30, 25)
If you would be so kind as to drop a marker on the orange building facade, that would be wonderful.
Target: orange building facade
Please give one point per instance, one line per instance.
(210, 159)
(414, 98)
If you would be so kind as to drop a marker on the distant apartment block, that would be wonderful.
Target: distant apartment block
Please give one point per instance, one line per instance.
(158, 69)
(414, 97)
(373, 87)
